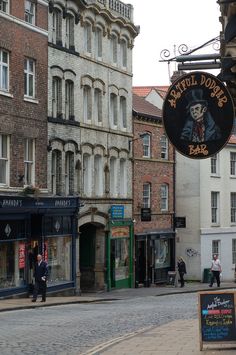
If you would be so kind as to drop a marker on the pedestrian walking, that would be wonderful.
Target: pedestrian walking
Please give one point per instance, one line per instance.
(40, 275)
(216, 269)
(182, 270)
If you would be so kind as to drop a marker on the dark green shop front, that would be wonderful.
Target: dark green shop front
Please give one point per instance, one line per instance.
(120, 254)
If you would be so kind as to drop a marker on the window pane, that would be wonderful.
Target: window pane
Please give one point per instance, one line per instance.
(3, 164)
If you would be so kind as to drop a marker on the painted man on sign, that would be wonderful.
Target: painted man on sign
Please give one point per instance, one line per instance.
(199, 125)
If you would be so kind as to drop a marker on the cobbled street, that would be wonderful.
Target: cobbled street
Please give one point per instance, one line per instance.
(73, 329)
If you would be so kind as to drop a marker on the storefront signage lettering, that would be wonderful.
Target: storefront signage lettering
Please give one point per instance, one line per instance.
(62, 203)
(198, 115)
(11, 203)
(120, 232)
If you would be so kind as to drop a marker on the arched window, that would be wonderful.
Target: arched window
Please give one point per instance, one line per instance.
(98, 106)
(56, 97)
(87, 174)
(147, 195)
(123, 178)
(69, 173)
(57, 27)
(98, 43)
(113, 177)
(87, 37)
(98, 175)
(114, 42)
(69, 100)
(164, 147)
(69, 42)
(164, 197)
(113, 109)
(123, 48)
(123, 112)
(87, 103)
(56, 172)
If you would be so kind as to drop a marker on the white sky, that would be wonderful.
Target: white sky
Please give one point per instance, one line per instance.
(165, 24)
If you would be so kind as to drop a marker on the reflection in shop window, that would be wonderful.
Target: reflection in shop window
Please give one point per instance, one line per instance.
(121, 258)
(12, 264)
(162, 253)
(58, 256)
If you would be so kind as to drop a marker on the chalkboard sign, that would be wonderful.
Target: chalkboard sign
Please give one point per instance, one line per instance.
(172, 278)
(217, 317)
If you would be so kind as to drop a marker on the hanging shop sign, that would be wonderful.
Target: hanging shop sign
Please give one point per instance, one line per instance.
(198, 115)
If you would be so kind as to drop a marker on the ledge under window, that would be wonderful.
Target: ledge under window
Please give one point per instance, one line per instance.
(31, 100)
(6, 93)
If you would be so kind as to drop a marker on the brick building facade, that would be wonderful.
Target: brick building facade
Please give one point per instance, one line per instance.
(153, 194)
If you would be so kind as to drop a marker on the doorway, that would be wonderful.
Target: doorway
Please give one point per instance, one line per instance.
(87, 256)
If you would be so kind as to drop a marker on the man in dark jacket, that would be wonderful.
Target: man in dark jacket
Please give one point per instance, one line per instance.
(40, 275)
(182, 270)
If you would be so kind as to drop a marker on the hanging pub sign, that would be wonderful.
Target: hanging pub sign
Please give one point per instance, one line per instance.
(198, 115)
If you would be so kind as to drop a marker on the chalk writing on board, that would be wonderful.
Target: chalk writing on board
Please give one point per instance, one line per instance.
(218, 317)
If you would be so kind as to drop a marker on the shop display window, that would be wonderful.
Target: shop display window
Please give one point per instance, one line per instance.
(121, 258)
(162, 253)
(12, 264)
(57, 253)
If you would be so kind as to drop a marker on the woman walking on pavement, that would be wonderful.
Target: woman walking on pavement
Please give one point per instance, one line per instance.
(182, 270)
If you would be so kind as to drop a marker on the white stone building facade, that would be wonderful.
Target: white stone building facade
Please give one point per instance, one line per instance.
(90, 121)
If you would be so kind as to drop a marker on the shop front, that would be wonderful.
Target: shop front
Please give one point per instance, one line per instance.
(28, 227)
(154, 256)
(120, 254)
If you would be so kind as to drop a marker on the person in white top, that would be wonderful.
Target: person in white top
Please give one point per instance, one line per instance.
(216, 270)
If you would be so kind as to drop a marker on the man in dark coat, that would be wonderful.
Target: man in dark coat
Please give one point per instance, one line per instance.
(40, 275)
(182, 270)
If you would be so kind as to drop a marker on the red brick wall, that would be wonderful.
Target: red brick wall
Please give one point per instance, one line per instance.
(155, 171)
(19, 118)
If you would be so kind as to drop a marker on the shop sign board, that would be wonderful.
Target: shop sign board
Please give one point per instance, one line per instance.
(120, 232)
(146, 214)
(117, 212)
(217, 323)
(198, 115)
(180, 222)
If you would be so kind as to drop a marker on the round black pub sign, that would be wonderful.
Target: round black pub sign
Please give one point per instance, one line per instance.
(198, 115)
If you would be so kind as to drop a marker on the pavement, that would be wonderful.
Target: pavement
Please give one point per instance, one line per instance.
(180, 337)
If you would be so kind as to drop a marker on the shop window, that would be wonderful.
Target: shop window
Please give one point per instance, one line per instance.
(57, 27)
(162, 253)
(164, 147)
(4, 5)
(28, 161)
(69, 100)
(69, 173)
(29, 77)
(30, 12)
(4, 159)
(70, 22)
(58, 255)
(56, 97)
(56, 172)
(4, 70)
(120, 257)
